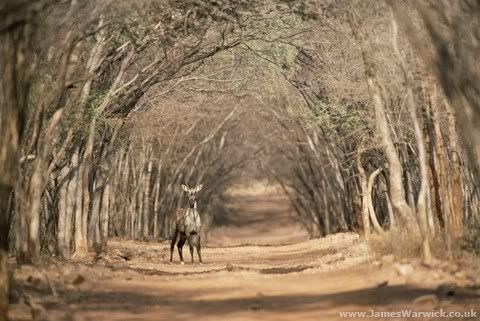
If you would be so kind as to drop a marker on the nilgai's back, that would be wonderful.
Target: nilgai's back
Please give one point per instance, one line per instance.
(187, 221)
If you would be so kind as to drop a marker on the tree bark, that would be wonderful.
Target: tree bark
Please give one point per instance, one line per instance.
(16, 75)
(397, 192)
(29, 195)
(364, 194)
(146, 206)
(156, 195)
(104, 217)
(370, 207)
(422, 152)
(80, 235)
(457, 208)
(93, 233)
(62, 247)
(440, 169)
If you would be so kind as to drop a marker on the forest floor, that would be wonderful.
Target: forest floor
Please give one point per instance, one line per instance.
(258, 266)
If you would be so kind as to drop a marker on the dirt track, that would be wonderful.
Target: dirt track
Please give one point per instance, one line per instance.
(259, 267)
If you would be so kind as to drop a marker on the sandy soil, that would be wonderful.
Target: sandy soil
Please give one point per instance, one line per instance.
(260, 266)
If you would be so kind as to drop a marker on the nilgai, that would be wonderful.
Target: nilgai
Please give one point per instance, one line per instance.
(186, 225)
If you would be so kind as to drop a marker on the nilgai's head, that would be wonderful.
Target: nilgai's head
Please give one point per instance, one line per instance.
(192, 194)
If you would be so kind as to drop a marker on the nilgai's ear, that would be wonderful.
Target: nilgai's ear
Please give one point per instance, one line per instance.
(185, 188)
(198, 188)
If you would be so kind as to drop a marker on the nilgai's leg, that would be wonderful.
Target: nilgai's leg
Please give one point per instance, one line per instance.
(172, 245)
(180, 244)
(199, 252)
(191, 239)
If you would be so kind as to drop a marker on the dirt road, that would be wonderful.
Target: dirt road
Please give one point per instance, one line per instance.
(261, 266)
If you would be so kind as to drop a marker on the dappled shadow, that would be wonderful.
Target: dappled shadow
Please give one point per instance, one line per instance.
(157, 272)
(166, 273)
(193, 292)
(131, 300)
(285, 270)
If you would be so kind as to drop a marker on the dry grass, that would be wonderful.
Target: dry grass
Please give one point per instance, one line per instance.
(471, 239)
(402, 244)
(397, 242)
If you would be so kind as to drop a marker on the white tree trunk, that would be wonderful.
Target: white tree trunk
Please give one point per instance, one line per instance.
(371, 209)
(364, 195)
(422, 151)
(62, 246)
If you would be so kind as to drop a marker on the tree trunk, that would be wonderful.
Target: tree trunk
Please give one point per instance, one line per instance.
(81, 210)
(62, 245)
(422, 151)
(443, 186)
(457, 208)
(93, 234)
(70, 205)
(16, 75)
(390, 211)
(408, 179)
(146, 206)
(156, 195)
(397, 192)
(364, 194)
(370, 207)
(104, 216)
(29, 194)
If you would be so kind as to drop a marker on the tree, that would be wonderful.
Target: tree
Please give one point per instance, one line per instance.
(17, 31)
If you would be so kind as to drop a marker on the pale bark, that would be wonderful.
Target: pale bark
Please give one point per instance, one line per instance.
(93, 62)
(83, 206)
(395, 168)
(132, 210)
(455, 44)
(125, 176)
(93, 233)
(460, 79)
(80, 236)
(15, 79)
(391, 216)
(70, 204)
(139, 210)
(408, 179)
(113, 215)
(370, 207)
(66, 201)
(146, 206)
(434, 195)
(363, 190)
(457, 208)
(156, 193)
(439, 169)
(83, 188)
(397, 192)
(29, 196)
(422, 152)
(62, 247)
(430, 215)
(99, 212)
(326, 219)
(104, 217)
(340, 181)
